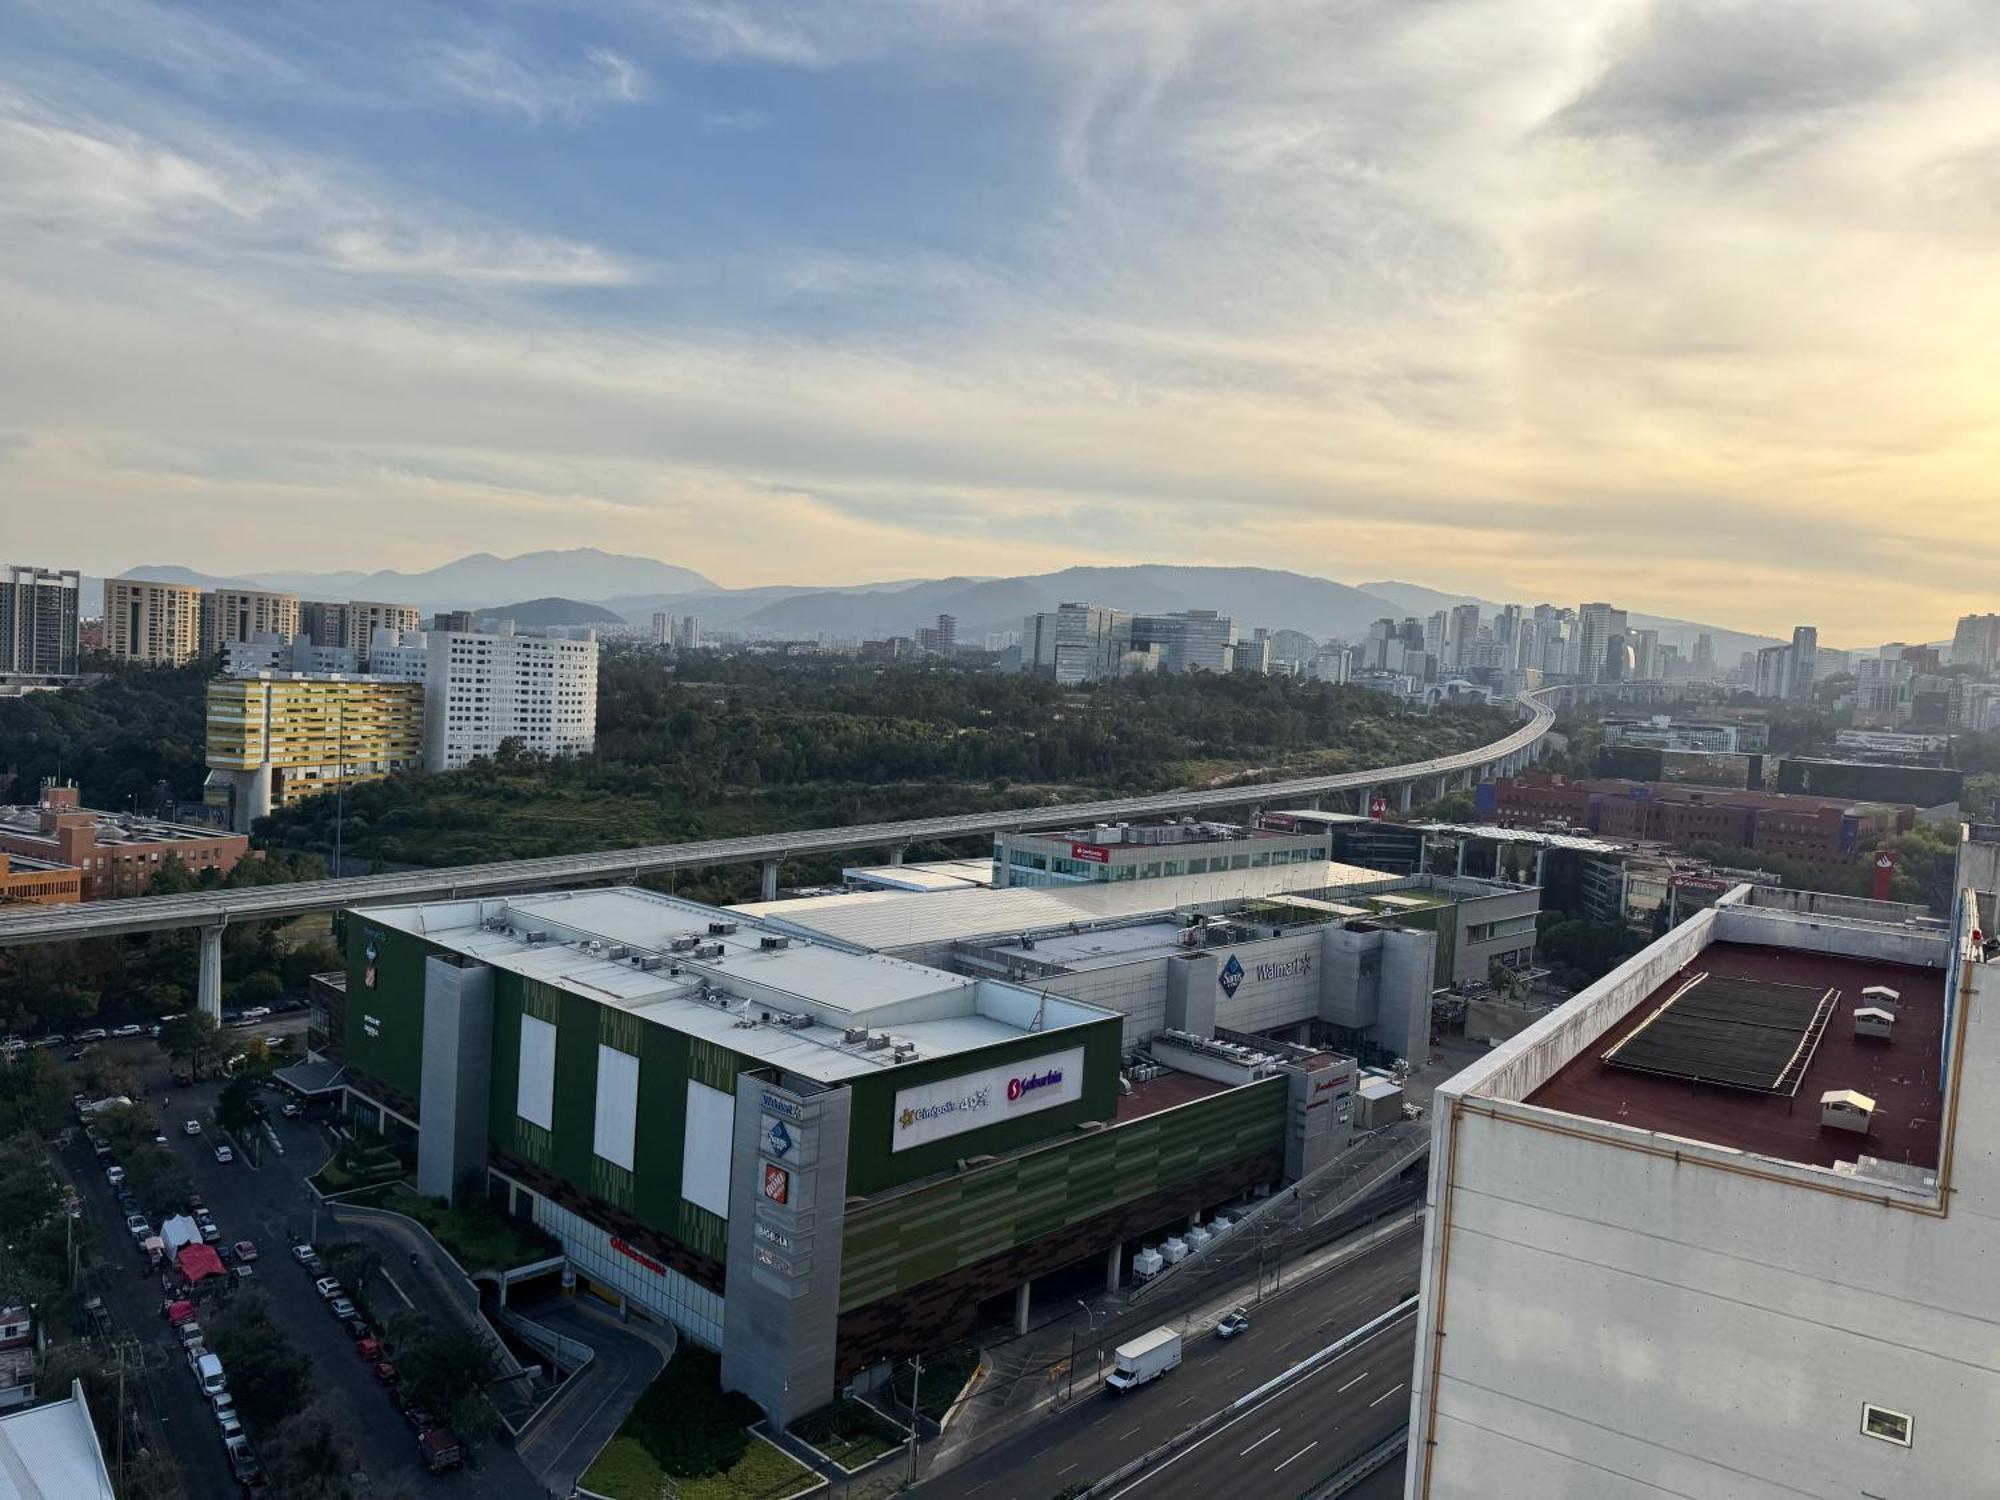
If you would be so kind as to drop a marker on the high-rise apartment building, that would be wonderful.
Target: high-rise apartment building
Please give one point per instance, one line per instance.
(663, 628)
(1976, 643)
(1464, 630)
(158, 624)
(38, 620)
(1802, 664)
(482, 691)
(690, 638)
(940, 639)
(1704, 655)
(455, 619)
(278, 737)
(364, 617)
(244, 615)
(1645, 646)
(324, 622)
(1596, 624)
(1724, 1222)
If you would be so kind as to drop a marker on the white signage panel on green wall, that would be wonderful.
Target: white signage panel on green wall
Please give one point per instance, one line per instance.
(951, 1106)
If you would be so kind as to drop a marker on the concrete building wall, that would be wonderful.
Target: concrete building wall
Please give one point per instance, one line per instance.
(1137, 991)
(457, 1062)
(1609, 1312)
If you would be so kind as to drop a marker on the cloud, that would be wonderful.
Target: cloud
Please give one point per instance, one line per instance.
(489, 76)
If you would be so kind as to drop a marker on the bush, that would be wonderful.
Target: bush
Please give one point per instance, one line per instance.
(686, 1422)
(849, 1432)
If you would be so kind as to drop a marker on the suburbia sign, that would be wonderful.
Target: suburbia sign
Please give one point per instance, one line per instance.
(951, 1106)
(639, 1255)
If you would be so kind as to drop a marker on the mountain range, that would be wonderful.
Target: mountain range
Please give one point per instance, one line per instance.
(633, 588)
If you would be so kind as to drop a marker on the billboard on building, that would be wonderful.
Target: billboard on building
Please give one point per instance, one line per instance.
(952, 1106)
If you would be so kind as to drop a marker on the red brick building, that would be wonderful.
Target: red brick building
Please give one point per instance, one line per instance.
(116, 854)
(1791, 827)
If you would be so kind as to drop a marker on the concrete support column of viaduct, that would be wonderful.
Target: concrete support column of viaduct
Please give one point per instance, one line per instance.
(1409, 789)
(769, 884)
(208, 988)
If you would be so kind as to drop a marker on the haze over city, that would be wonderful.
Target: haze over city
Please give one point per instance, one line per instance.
(1691, 307)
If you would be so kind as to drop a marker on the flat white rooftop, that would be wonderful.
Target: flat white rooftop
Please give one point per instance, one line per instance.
(51, 1450)
(924, 879)
(656, 957)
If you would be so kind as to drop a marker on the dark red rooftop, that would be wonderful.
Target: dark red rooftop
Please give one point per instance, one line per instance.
(1900, 1075)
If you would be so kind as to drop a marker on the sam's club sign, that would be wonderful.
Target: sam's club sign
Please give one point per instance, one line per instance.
(1232, 973)
(933, 1111)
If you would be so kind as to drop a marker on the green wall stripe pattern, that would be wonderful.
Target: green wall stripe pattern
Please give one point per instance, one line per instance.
(908, 1239)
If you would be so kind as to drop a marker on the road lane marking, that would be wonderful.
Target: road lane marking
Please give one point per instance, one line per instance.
(1263, 1440)
(1183, 1401)
(1066, 1468)
(1298, 1455)
(1124, 1435)
(399, 1291)
(1385, 1395)
(1352, 1383)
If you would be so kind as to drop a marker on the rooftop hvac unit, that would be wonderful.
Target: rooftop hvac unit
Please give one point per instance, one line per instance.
(855, 1034)
(650, 962)
(709, 950)
(594, 948)
(769, 943)
(1174, 1251)
(1881, 996)
(1147, 1263)
(877, 1041)
(1845, 1109)
(616, 950)
(684, 945)
(536, 935)
(904, 1051)
(721, 929)
(798, 1021)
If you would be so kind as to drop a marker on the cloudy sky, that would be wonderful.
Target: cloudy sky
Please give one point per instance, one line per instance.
(1691, 306)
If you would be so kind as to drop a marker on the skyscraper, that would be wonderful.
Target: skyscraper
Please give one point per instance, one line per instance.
(38, 617)
(1802, 667)
(1704, 655)
(1464, 631)
(158, 624)
(1977, 643)
(1596, 625)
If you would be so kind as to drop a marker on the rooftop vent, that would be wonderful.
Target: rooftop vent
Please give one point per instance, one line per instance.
(1874, 1021)
(855, 1034)
(536, 935)
(1845, 1109)
(721, 929)
(684, 945)
(616, 950)
(798, 1021)
(650, 962)
(709, 950)
(904, 1051)
(768, 943)
(1882, 996)
(878, 1041)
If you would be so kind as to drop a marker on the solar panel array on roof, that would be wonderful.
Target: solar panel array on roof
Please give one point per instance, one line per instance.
(1740, 1033)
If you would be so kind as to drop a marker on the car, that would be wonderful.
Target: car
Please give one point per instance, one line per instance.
(271, 1043)
(115, 1175)
(419, 1418)
(242, 1462)
(245, 1249)
(131, 1028)
(315, 1266)
(304, 1253)
(1233, 1323)
(359, 1328)
(137, 1227)
(126, 1201)
(210, 1234)
(225, 1254)
(223, 1153)
(95, 1034)
(291, 1111)
(326, 1286)
(225, 1413)
(191, 1127)
(81, 1053)
(341, 1308)
(370, 1350)
(240, 1274)
(385, 1372)
(190, 1335)
(56, 1039)
(159, 1138)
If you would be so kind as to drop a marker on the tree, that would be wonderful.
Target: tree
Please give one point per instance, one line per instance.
(193, 1038)
(157, 1180)
(271, 1379)
(351, 1262)
(263, 988)
(308, 1452)
(236, 1108)
(32, 1093)
(445, 1366)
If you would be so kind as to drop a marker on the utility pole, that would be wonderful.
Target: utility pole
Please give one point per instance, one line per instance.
(916, 1394)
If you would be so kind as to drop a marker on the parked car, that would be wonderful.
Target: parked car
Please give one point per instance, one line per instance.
(291, 1110)
(210, 1234)
(326, 1286)
(54, 1040)
(420, 1420)
(240, 1274)
(223, 1153)
(342, 1308)
(359, 1328)
(440, 1450)
(228, 1425)
(137, 1227)
(115, 1175)
(303, 1253)
(370, 1350)
(192, 1127)
(159, 1138)
(314, 1265)
(246, 1250)
(241, 1461)
(95, 1034)
(385, 1372)
(131, 1028)
(1233, 1323)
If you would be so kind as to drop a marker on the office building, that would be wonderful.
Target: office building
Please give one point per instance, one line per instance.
(1771, 675)
(361, 619)
(455, 619)
(118, 853)
(246, 615)
(1802, 664)
(1645, 645)
(1076, 643)
(1976, 643)
(816, 1160)
(1252, 656)
(1463, 632)
(26, 880)
(940, 639)
(1192, 640)
(155, 624)
(483, 691)
(1596, 625)
(1704, 656)
(1723, 1223)
(38, 620)
(277, 738)
(1146, 851)
(1437, 633)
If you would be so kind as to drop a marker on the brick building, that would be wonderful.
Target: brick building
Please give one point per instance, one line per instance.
(38, 882)
(116, 854)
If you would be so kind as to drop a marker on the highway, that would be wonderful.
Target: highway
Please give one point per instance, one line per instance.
(212, 909)
(1328, 1412)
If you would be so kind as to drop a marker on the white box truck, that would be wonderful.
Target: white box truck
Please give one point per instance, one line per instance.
(1148, 1356)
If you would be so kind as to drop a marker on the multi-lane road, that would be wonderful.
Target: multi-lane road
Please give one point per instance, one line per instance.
(1279, 1447)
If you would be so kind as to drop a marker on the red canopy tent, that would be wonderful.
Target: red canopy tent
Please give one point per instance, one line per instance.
(199, 1262)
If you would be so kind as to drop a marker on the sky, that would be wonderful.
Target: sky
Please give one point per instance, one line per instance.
(1690, 306)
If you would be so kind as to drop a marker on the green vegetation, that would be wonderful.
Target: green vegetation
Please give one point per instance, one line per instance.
(478, 1235)
(1577, 950)
(269, 1377)
(121, 739)
(359, 1162)
(945, 1375)
(851, 1433)
(686, 1432)
(448, 1370)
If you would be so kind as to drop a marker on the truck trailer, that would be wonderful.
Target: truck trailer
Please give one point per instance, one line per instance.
(1147, 1357)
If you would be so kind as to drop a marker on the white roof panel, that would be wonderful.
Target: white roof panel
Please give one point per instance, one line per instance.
(50, 1452)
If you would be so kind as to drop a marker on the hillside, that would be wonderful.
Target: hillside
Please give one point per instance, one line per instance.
(539, 614)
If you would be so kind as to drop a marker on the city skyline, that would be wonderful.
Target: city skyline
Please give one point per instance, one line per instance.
(1532, 305)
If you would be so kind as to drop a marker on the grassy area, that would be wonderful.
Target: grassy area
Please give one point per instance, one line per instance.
(945, 1375)
(849, 1433)
(685, 1429)
(478, 1235)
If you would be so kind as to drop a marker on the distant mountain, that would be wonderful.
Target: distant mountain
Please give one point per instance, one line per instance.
(1415, 599)
(1251, 596)
(540, 613)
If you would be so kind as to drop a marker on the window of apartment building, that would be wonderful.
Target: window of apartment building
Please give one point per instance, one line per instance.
(1890, 1426)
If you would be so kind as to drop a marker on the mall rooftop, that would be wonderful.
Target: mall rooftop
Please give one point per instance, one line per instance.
(819, 1011)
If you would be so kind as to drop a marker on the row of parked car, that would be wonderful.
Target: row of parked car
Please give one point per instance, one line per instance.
(208, 1373)
(437, 1445)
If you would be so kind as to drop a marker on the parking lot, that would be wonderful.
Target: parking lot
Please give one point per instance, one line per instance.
(269, 1205)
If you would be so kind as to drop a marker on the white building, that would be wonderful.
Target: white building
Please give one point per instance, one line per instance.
(1705, 1230)
(400, 655)
(483, 690)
